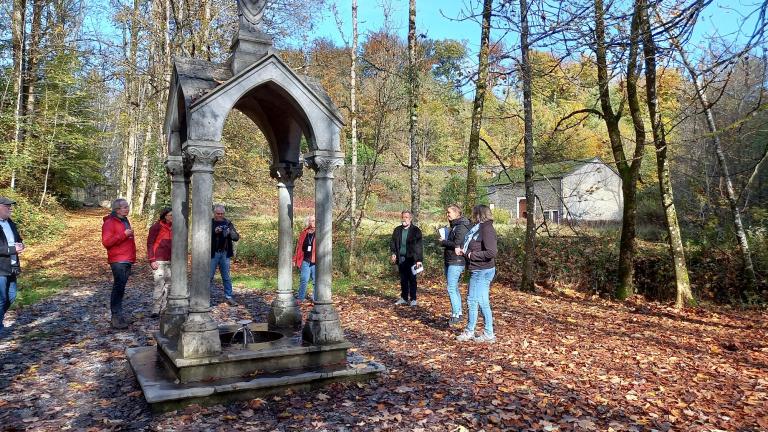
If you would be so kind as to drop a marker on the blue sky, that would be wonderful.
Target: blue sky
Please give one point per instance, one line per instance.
(438, 19)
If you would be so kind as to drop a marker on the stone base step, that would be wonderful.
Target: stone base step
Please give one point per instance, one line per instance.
(163, 391)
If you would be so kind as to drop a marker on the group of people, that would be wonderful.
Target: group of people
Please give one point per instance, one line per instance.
(467, 245)
(118, 238)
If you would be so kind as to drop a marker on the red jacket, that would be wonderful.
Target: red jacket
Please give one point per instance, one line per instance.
(120, 248)
(159, 242)
(299, 256)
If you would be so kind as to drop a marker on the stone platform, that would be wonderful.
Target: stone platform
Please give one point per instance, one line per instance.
(285, 351)
(169, 382)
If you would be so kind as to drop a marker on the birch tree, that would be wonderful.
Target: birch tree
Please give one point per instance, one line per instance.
(353, 216)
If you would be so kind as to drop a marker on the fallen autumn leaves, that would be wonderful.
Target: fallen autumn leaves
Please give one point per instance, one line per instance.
(560, 364)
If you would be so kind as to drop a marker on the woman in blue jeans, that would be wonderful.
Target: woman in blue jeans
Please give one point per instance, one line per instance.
(454, 264)
(480, 249)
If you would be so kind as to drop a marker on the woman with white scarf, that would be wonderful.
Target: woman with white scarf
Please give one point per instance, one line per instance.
(480, 250)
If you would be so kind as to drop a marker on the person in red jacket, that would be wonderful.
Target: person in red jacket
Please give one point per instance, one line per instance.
(159, 257)
(117, 238)
(304, 259)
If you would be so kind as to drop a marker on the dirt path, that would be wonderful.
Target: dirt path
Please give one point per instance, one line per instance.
(561, 363)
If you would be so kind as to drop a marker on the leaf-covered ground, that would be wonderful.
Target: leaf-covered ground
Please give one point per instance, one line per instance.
(561, 362)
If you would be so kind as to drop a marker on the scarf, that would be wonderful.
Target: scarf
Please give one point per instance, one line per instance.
(472, 233)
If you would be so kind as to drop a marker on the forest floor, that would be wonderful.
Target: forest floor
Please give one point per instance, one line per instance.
(561, 363)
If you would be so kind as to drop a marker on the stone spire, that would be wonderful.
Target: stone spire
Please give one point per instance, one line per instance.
(250, 42)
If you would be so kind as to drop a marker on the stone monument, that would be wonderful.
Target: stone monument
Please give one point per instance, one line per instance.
(190, 363)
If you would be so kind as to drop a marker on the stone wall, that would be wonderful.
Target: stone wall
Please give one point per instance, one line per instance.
(548, 192)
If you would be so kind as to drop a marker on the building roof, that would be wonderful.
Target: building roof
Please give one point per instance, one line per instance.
(551, 171)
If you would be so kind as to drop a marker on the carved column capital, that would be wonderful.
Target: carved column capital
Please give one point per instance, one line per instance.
(324, 164)
(204, 158)
(174, 165)
(286, 173)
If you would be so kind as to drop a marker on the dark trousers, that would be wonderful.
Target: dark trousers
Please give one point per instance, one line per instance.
(120, 272)
(407, 280)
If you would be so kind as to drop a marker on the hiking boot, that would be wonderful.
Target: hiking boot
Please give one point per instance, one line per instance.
(231, 301)
(400, 302)
(454, 321)
(485, 338)
(413, 303)
(466, 335)
(119, 322)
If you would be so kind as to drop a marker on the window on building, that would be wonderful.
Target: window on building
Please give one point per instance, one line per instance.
(552, 215)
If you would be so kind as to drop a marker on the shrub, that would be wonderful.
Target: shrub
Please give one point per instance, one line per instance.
(35, 223)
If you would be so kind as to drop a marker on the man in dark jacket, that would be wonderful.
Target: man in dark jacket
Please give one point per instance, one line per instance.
(407, 251)
(117, 237)
(10, 248)
(223, 235)
(454, 264)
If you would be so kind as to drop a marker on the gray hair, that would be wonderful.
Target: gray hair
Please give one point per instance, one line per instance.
(306, 220)
(120, 202)
(219, 206)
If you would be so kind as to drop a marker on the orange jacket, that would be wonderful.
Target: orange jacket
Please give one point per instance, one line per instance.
(298, 257)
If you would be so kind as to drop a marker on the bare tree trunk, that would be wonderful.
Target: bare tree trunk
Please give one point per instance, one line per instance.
(17, 41)
(413, 107)
(353, 175)
(51, 147)
(629, 170)
(205, 25)
(481, 85)
(746, 256)
(33, 57)
(133, 101)
(529, 276)
(130, 163)
(138, 208)
(683, 286)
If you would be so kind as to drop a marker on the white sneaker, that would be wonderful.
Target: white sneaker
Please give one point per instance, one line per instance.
(485, 338)
(466, 335)
(413, 303)
(401, 302)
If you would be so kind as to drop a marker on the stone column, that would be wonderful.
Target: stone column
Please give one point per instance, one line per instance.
(178, 297)
(323, 326)
(284, 313)
(200, 334)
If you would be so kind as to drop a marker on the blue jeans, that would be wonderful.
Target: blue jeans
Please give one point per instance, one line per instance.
(479, 295)
(220, 259)
(7, 295)
(453, 275)
(307, 272)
